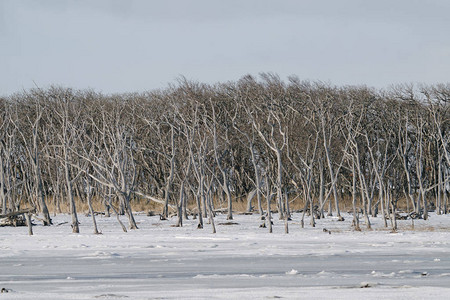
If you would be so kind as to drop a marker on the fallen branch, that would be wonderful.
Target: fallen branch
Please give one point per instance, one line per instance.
(154, 199)
(18, 212)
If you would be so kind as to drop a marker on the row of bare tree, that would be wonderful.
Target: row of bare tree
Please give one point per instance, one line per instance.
(260, 139)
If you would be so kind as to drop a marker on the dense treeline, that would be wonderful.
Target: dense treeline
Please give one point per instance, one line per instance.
(263, 141)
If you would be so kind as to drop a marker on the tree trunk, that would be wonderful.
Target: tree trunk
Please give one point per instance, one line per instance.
(165, 213)
(199, 209)
(91, 210)
(333, 182)
(279, 184)
(269, 214)
(321, 189)
(117, 215)
(257, 180)
(29, 224)
(439, 188)
(228, 194)
(211, 214)
(73, 209)
(251, 195)
(3, 199)
(355, 212)
(128, 210)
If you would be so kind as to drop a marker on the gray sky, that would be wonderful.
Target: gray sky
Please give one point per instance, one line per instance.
(131, 45)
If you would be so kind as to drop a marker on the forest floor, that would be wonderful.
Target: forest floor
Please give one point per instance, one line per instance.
(240, 261)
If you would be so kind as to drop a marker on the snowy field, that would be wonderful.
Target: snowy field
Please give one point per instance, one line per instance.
(159, 261)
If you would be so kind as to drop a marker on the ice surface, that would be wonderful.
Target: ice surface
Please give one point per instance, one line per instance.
(159, 261)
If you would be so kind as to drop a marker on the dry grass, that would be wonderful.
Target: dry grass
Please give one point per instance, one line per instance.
(239, 205)
(97, 205)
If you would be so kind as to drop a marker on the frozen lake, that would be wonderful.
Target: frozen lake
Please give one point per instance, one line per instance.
(238, 262)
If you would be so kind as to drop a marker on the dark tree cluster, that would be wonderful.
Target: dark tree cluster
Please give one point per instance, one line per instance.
(199, 149)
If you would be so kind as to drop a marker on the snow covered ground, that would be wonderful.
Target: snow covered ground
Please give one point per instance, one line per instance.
(159, 261)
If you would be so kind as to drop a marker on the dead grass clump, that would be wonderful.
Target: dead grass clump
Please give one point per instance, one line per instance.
(296, 203)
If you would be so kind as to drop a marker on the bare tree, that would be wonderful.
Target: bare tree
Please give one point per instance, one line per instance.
(32, 148)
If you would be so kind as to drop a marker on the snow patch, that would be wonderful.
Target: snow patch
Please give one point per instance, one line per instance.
(201, 276)
(381, 274)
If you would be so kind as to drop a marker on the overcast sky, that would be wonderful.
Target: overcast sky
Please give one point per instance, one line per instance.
(132, 45)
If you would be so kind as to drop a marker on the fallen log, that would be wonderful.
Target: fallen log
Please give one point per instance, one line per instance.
(18, 218)
(18, 212)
